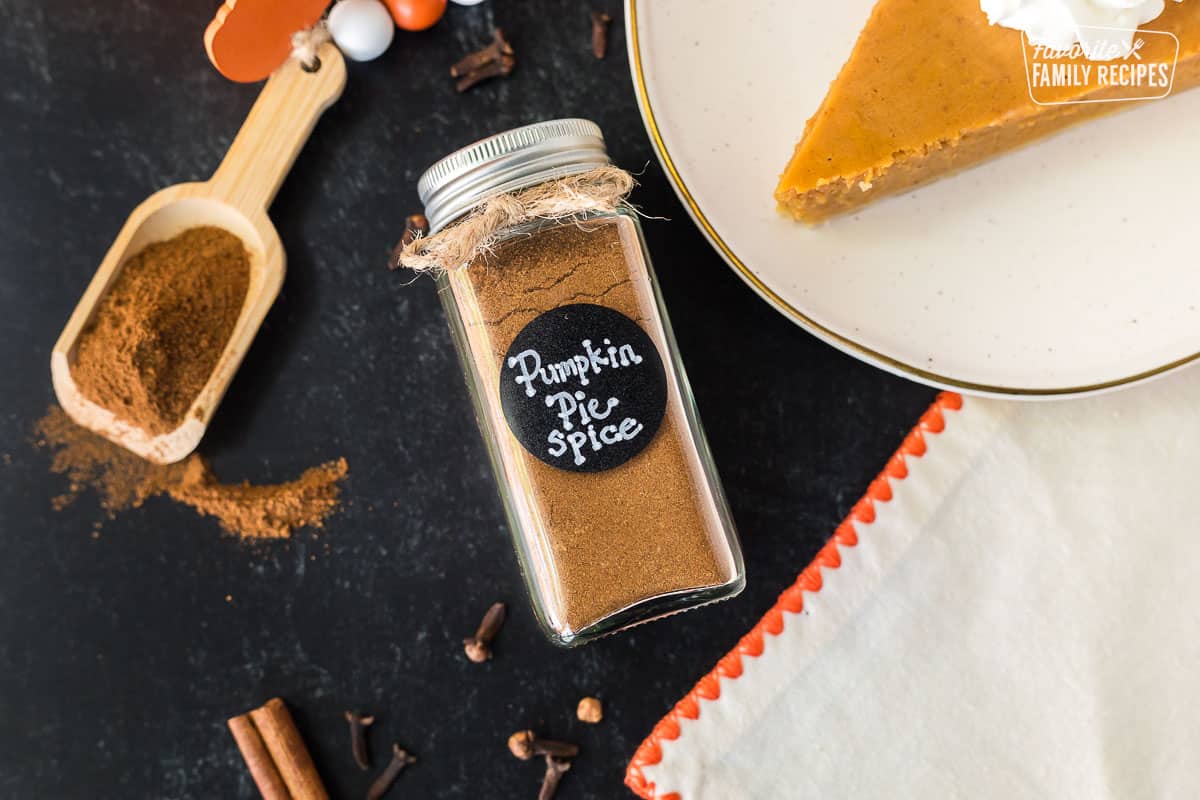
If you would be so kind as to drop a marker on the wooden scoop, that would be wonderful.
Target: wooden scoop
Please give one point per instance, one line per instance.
(236, 199)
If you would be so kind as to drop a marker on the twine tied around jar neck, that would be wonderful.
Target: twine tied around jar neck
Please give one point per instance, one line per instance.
(600, 190)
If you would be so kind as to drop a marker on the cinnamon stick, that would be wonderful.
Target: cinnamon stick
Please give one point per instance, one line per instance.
(258, 760)
(275, 754)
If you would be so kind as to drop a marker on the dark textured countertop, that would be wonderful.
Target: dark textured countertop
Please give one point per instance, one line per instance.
(120, 654)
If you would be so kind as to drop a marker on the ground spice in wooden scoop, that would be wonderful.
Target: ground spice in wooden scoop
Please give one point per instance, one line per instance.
(123, 480)
(159, 331)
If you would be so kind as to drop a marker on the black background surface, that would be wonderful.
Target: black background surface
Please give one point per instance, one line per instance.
(121, 656)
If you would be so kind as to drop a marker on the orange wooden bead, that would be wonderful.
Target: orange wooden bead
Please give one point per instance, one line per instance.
(416, 15)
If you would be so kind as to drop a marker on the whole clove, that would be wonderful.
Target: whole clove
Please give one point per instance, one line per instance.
(400, 760)
(496, 60)
(600, 23)
(525, 745)
(480, 58)
(479, 647)
(555, 769)
(415, 225)
(358, 737)
(494, 69)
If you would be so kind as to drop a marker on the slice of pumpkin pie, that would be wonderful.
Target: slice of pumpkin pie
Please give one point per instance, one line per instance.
(932, 87)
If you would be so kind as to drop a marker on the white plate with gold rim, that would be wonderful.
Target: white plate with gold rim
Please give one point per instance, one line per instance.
(1069, 267)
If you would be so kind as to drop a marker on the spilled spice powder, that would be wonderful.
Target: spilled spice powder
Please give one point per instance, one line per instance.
(263, 512)
(159, 331)
(123, 480)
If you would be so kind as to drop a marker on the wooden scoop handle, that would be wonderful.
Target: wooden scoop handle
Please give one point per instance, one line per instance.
(277, 127)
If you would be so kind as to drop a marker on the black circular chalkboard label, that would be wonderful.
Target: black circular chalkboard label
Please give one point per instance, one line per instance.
(583, 388)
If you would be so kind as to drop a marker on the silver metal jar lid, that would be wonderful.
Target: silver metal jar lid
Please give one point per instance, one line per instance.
(507, 162)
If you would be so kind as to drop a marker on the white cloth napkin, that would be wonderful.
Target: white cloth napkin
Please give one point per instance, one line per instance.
(1021, 619)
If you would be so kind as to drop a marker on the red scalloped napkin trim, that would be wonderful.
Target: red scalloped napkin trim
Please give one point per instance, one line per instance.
(792, 600)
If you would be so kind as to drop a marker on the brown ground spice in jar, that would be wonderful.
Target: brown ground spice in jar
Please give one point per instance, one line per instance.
(618, 536)
(123, 480)
(160, 329)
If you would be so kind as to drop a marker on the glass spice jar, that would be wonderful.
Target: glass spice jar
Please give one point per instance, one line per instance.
(614, 503)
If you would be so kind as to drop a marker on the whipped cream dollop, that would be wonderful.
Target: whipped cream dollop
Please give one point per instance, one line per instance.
(1103, 28)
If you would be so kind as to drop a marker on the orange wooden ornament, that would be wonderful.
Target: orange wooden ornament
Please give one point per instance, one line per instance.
(249, 39)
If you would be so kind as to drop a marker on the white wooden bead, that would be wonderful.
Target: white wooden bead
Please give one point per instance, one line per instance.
(363, 29)
(468, 2)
